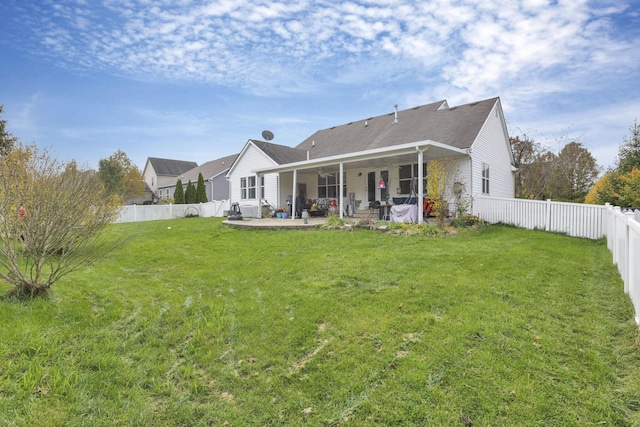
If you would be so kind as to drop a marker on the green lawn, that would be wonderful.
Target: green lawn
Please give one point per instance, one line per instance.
(199, 324)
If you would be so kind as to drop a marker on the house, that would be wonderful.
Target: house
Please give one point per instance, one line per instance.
(214, 175)
(245, 184)
(382, 158)
(160, 174)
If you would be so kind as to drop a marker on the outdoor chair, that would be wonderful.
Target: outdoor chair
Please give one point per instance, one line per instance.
(374, 207)
(321, 207)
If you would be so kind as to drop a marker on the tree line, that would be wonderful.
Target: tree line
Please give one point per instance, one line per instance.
(620, 185)
(573, 175)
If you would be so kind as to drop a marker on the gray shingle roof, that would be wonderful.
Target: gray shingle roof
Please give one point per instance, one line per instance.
(281, 154)
(170, 167)
(209, 169)
(456, 126)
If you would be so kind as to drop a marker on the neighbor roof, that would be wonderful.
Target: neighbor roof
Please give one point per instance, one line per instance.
(170, 167)
(456, 126)
(209, 169)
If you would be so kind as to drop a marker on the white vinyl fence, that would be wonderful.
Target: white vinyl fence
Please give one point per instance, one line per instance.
(623, 240)
(621, 229)
(574, 219)
(134, 213)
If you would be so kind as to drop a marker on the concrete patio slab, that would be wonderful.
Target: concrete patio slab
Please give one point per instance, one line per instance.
(276, 223)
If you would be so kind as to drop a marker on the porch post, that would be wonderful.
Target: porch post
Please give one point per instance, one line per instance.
(259, 193)
(293, 194)
(340, 191)
(420, 185)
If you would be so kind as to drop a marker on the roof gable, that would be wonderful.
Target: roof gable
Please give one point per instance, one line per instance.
(279, 154)
(455, 126)
(209, 169)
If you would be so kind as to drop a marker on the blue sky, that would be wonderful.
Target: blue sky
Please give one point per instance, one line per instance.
(195, 79)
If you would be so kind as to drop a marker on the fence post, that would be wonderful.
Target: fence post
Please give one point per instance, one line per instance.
(616, 235)
(547, 226)
(627, 249)
(605, 222)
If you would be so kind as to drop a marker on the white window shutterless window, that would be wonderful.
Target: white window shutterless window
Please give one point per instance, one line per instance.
(485, 178)
(408, 175)
(248, 187)
(328, 186)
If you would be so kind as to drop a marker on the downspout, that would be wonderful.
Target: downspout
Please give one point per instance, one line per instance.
(471, 180)
(340, 201)
(420, 184)
(228, 192)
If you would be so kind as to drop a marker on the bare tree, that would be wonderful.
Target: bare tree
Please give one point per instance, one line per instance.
(52, 219)
(535, 167)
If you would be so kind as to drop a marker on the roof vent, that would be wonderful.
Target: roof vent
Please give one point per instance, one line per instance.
(366, 123)
(396, 114)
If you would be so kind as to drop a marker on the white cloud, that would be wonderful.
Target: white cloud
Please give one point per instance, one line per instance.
(527, 48)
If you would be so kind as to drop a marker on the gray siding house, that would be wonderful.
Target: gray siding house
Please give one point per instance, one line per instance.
(214, 175)
(160, 174)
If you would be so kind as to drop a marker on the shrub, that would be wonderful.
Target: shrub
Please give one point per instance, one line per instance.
(178, 194)
(467, 221)
(53, 219)
(333, 222)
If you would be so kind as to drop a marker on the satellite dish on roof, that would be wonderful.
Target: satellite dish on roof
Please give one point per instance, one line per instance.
(267, 135)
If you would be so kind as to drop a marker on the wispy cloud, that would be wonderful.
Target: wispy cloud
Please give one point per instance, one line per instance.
(284, 46)
(566, 68)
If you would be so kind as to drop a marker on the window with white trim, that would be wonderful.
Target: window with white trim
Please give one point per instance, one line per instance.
(408, 174)
(485, 178)
(328, 186)
(262, 186)
(248, 187)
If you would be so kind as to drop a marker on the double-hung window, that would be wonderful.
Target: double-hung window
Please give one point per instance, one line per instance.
(248, 187)
(328, 186)
(485, 178)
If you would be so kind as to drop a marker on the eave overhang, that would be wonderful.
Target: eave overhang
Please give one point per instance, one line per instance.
(432, 150)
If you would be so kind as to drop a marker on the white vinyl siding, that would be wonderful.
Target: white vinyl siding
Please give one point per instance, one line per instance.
(492, 148)
(251, 159)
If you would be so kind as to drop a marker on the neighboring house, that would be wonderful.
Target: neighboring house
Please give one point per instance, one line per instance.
(394, 148)
(160, 174)
(214, 176)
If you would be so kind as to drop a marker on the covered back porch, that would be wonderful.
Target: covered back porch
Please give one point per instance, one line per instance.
(364, 184)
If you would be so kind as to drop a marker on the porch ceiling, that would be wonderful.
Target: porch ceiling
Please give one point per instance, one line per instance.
(374, 159)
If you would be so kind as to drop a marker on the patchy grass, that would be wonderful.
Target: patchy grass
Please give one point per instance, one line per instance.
(205, 325)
